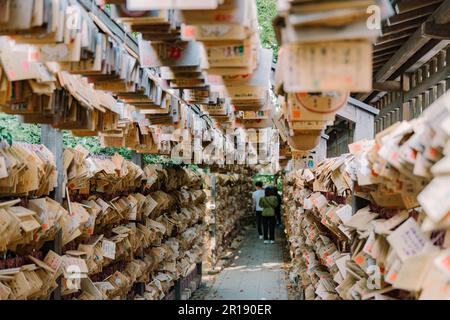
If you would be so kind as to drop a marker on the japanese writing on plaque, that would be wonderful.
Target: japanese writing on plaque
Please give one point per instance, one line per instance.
(408, 240)
(334, 66)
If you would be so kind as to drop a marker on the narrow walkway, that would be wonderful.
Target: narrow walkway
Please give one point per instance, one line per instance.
(256, 273)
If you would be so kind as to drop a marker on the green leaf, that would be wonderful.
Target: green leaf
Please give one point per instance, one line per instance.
(267, 10)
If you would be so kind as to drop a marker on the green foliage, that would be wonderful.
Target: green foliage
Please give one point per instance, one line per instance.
(5, 135)
(268, 180)
(166, 161)
(90, 143)
(93, 145)
(11, 129)
(19, 132)
(156, 159)
(267, 10)
(126, 153)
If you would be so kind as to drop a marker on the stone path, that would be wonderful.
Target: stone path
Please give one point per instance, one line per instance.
(256, 273)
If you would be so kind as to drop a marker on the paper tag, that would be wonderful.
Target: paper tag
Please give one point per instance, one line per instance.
(368, 246)
(413, 271)
(20, 286)
(344, 213)
(73, 265)
(102, 204)
(5, 291)
(408, 240)
(435, 198)
(152, 204)
(392, 275)
(342, 264)
(3, 170)
(395, 220)
(5, 220)
(361, 219)
(109, 249)
(104, 285)
(307, 204)
(443, 263)
(345, 67)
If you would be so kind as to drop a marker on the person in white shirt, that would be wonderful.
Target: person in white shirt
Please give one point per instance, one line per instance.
(257, 195)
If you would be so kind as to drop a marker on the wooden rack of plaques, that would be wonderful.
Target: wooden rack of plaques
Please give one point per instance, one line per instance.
(125, 37)
(53, 140)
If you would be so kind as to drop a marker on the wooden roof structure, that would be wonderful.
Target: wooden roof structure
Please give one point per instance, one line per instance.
(410, 60)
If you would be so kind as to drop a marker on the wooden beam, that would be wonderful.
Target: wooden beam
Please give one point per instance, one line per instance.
(394, 37)
(392, 107)
(376, 96)
(428, 83)
(406, 107)
(390, 45)
(412, 48)
(413, 14)
(381, 58)
(442, 15)
(406, 82)
(420, 94)
(436, 31)
(391, 86)
(414, 44)
(431, 49)
(379, 64)
(407, 25)
(384, 53)
(410, 5)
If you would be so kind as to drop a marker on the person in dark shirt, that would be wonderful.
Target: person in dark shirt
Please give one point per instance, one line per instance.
(269, 202)
(278, 208)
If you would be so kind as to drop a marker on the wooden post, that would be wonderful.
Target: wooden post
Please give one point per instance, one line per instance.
(213, 211)
(199, 268)
(53, 140)
(177, 289)
(405, 113)
(137, 158)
